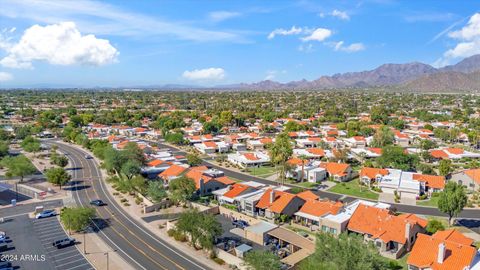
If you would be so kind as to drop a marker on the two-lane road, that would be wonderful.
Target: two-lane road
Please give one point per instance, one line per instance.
(138, 246)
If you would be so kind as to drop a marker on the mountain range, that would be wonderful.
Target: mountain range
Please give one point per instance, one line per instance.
(415, 76)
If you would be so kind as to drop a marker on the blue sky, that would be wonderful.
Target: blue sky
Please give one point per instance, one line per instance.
(122, 43)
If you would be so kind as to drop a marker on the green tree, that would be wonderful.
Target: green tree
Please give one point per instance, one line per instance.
(139, 184)
(304, 159)
(344, 253)
(133, 153)
(18, 166)
(383, 137)
(434, 225)
(30, 144)
(395, 157)
(262, 260)
(280, 152)
(77, 218)
(60, 161)
(114, 160)
(3, 148)
(57, 176)
(427, 144)
(130, 169)
(175, 138)
(193, 159)
(181, 189)
(452, 200)
(445, 167)
(156, 192)
(202, 228)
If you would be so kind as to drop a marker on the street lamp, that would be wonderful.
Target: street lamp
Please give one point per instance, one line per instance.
(106, 253)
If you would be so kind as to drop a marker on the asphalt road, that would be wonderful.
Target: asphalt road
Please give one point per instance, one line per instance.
(430, 211)
(128, 237)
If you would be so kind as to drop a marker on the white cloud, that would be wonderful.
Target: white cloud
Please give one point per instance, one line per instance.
(208, 74)
(106, 19)
(319, 34)
(306, 47)
(218, 16)
(5, 76)
(59, 44)
(340, 14)
(354, 47)
(285, 32)
(469, 42)
(272, 74)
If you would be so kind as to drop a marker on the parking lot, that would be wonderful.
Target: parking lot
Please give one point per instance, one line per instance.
(49, 230)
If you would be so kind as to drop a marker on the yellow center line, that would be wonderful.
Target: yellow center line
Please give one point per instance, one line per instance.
(123, 225)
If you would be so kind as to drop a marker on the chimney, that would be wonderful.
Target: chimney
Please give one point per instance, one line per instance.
(407, 231)
(272, 196)
(441, 253)
(201, 183)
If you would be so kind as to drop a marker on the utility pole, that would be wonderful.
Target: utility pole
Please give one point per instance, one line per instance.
(107, 259)
(84, 243)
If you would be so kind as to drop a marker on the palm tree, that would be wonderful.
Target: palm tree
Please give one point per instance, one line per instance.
(303, 158)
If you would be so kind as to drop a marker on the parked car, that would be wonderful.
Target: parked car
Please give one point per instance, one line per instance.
(97, 203)
(5, 265)
(3, 245)
(64, 242)
(3, 235)
(88, 157)
(46, 213)
(240, 224)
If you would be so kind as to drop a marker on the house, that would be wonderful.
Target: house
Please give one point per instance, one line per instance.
(341, 172)
(249, 159)
(310, 153)
(333, 142)
(406, 184)
(447, 249)
(469, 178)
(308, 142)
(310, 171)
(312, 212)
(452, 153)
(229, 195)
(171, 173)
(258, 145)
(155, 167)
(402, 139)
(211, 147)
(274, 203)
(205, 183)
(392, 235)
(356, 142)
(366, 153)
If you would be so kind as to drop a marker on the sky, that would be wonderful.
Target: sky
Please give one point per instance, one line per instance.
(87, 43)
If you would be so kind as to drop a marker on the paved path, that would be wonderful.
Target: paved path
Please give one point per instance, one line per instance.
(129, 237)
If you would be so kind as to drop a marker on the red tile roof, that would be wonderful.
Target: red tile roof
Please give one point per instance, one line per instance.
(236, 190)
(172, 171)
(432, 181)
(321, 208)
(372, 173)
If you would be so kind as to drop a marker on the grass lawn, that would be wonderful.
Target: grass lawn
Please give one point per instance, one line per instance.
(307, 184)
(354, 189)
(403, 261)
(261, 171)
(433, 201)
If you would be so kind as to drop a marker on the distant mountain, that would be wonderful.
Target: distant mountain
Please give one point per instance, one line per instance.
(413, 75)
(449, 81)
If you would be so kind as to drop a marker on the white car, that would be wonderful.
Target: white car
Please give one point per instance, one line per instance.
(3, 235)
(46, 213)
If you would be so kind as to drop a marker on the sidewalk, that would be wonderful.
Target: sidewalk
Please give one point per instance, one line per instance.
(134, 211)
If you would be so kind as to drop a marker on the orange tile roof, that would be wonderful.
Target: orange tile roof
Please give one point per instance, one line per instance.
(266, 140)
(455, 151)
(438, 154)
(412, 218)
(279, 205)
(297, 161)
(372, 173)
(264, 201)
(377, 151)
(315, 139)
(359, 138)
(454, 236)
(208, 136)
(307, 195)
(250, 156)
(474, 174)
(432, 181)
(210, 144)
(292, 134)
(236, 190)
(334, 168)
(321, 208)
(171, 171)
(155, 163)
(425, 253)
(225, 180)
(381, 224)
(196, 176)
(316, 151)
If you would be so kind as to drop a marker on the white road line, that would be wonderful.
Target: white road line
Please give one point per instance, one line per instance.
(17, 215)
(68, 257)
(79, 266)
(81, 259)
(43, 237)
(62, 253)
(103, 233)
(49, 230)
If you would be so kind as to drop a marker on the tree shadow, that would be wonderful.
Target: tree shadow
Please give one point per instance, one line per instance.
(74, 169)
(99, 224)
(469, 223)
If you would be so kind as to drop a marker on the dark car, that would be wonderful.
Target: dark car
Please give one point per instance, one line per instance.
(64, 242)
(5, 264)
(240, 224)
(97, 203)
